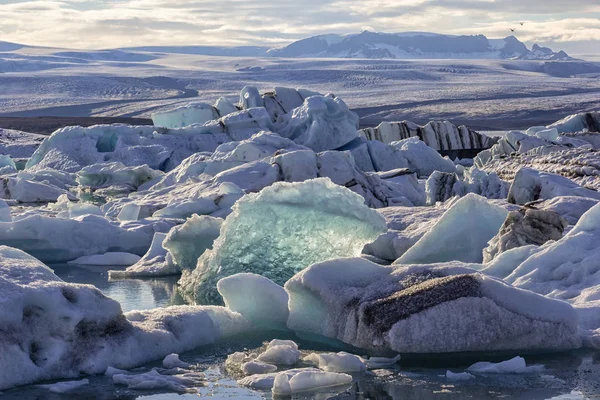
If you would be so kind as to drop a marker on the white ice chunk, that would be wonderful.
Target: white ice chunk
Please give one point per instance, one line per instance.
(515, 365)
(110, 259)
(64, 387)
(307, 381)
(187, 242)
(110, 371)
(421, 158)
(257, 298)
(338, 362)
(129, 212)
(107, 174)
(153, 380)
(266, 381)
(156, 262)
(173, 361)
(382, 362)
(5, 215)
(321, 123)
(460, 234)
(459, 376)
(400, 309)
(530, 185)
(193, 113)
(280, 355)
(550, 135)
(257, 367)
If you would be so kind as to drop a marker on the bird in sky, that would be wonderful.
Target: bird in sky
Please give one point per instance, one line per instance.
(521, 23)
(512, 29)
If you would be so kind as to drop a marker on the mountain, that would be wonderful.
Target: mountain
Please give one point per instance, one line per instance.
(412, 45)
(241, 51)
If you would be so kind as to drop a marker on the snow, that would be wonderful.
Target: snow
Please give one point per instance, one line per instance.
(109, 259)
(156, 262)
(515, 365)
(571, 208)
(256, 298)
(401, 309)
(337, 362)
(64, 387)
(460, 234)
(186, 243)
(307, 381)
(263, 234)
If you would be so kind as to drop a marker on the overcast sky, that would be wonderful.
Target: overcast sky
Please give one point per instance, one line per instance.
(572, 25)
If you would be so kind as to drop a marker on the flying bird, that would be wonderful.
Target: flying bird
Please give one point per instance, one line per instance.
(512, 29)
(521, 23)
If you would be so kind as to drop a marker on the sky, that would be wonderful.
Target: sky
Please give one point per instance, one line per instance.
(572, 25)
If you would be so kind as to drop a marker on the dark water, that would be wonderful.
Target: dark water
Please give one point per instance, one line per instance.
(567, 376)
(133, 294)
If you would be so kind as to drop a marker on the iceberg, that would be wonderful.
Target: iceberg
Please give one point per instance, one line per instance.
(108, 174)
(525, 227)
(567, 269)
(80, 236)
(422, 159)
(337, 362)
(156, 262)
(263, 234)
(307, 381)
(530, 185)
(256, 298)
(436, 134)
(460, 234)
(424, 309)
(321, 123)
(186, 243)
(55, 330)
(108, 259)
(193, 113)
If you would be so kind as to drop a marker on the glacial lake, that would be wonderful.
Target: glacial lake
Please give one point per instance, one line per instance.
(567, 376)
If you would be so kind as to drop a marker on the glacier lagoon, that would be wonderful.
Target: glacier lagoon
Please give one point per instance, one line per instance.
(375, 301)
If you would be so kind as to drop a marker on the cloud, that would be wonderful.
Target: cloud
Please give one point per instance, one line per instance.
(118, 23)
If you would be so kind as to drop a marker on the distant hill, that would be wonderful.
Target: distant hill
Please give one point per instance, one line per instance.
(410, 45)
(376, 45)
(8, 46)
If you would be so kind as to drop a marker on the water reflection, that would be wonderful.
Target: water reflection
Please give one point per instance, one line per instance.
(133, 294)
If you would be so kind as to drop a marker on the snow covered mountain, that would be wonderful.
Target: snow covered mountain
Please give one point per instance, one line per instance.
(415, 45)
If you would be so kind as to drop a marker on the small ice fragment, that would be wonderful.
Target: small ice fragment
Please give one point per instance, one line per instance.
(63, 387)
(257, 367)
(458, 376)
(173, 361)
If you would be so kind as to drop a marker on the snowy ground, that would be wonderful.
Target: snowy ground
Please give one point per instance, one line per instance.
(486, 94)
